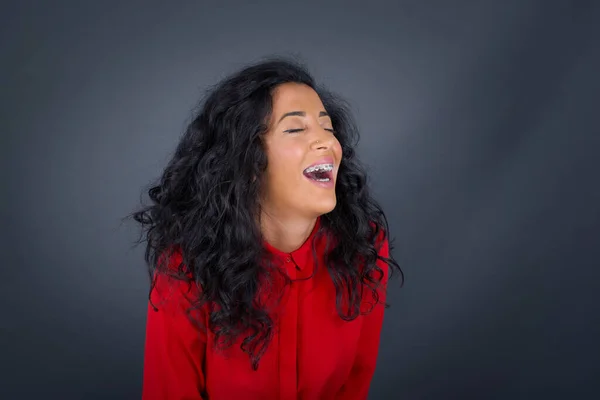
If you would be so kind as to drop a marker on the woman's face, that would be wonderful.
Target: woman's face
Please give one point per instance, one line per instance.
(303, 155)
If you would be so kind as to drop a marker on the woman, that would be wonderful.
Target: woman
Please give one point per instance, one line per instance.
(268, 256)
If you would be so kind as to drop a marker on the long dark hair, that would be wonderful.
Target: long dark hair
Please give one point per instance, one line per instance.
(206, 202)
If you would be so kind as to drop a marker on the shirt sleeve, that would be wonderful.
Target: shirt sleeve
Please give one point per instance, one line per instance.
(359, 381)
(174, 347)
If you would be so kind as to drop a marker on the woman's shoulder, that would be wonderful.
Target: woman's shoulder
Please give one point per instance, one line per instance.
(172, 280)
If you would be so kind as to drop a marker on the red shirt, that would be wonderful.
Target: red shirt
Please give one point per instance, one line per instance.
(313, 355)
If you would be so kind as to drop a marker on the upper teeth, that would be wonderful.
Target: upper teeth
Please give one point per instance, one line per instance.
(319, 167)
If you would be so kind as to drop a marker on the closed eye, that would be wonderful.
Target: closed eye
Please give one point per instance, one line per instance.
(300, 130)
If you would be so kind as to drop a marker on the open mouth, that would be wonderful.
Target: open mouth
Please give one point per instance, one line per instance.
(320, 172)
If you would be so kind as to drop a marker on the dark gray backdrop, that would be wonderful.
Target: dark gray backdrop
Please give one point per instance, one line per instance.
(479, 123)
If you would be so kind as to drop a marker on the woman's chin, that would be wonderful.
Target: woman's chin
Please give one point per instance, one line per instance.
(325, 206)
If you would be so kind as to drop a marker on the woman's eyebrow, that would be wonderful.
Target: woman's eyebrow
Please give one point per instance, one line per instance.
(300, 114)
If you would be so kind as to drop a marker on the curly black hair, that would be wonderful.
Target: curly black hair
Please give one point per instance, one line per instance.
(206, 203)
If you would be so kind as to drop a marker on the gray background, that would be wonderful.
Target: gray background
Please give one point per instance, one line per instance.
(479, 124)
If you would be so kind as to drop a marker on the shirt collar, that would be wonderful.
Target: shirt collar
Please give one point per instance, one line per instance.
(300, 256)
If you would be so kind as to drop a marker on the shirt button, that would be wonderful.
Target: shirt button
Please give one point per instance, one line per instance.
(288, 259)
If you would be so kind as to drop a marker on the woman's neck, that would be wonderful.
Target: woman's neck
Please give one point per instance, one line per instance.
(286, 234)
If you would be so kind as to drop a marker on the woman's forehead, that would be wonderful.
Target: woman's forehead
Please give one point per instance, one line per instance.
(295, 97)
